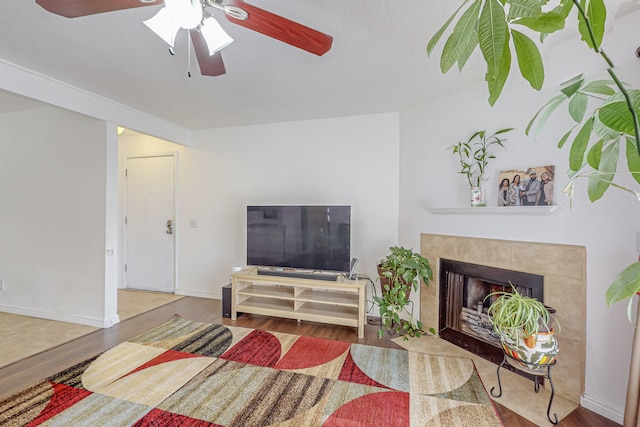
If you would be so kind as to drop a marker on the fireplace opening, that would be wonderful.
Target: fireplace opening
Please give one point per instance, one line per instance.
(463, 304)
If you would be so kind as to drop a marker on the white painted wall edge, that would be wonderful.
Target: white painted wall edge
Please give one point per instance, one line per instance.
(606, 409)
(88, 321)
(23, 81)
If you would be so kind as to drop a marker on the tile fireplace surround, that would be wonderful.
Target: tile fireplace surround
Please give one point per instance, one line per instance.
(564, 271)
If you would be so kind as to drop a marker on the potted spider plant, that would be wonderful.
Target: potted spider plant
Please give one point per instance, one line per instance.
(399, 272)
(524, 325)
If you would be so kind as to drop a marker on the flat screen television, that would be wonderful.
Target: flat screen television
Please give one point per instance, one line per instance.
(301, 237)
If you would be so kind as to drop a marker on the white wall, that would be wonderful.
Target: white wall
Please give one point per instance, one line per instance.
(607, 228)
(351, 161)
(53, 166)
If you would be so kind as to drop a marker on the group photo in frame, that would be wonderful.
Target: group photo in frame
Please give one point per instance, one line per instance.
(526, 187)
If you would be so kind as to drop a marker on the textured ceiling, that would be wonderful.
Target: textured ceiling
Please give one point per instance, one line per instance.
(378, 61)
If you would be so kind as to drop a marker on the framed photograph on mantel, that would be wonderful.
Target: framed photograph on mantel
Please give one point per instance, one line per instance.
(526, 187)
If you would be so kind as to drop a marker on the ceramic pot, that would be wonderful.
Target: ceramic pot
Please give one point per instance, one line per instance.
(477, 196)
(530, 352)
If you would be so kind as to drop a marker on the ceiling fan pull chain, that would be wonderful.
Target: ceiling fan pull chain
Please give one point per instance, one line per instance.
(189, 55)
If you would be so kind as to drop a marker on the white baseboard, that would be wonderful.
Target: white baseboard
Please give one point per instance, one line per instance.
(199, 294)
(81, 320)
(114, 320)
(92, 321)
(606, 409)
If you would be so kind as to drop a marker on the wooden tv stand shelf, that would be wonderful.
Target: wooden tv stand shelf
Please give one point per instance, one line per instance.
(340, 302)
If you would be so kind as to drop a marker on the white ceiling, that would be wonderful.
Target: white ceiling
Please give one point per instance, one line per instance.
(378, 62)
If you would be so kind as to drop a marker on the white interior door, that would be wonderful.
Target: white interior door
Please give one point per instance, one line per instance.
(150, 223)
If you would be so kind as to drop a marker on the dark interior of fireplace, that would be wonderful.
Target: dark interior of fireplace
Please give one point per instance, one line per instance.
(464, 300)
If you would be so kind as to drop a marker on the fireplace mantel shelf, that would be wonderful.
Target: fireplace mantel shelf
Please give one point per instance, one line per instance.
(496, 210)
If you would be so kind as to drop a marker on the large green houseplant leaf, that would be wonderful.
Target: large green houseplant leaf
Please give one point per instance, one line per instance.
(625, 285)
(604, 112)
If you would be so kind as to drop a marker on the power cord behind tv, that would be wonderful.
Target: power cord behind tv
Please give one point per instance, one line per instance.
(352, 267)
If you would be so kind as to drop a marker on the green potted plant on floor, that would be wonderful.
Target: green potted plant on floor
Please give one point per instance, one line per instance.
(474, 156)
(399, 272)
(524, 325)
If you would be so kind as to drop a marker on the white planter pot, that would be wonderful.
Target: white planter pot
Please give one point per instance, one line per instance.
(477, 196)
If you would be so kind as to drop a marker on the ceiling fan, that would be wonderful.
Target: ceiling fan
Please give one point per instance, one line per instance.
(206, 34)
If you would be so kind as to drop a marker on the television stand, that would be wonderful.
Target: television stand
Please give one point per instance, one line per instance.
(339, 302)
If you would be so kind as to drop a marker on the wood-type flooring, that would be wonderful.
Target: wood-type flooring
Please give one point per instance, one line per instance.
(25, 372)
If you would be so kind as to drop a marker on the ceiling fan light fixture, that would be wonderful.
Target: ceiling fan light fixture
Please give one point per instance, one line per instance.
(186, 13)
(215, 36)
(163, 25)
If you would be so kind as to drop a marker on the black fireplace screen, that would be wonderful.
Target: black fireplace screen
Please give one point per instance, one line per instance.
(463, 316)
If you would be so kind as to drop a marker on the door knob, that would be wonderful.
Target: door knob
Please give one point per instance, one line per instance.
(169, 228)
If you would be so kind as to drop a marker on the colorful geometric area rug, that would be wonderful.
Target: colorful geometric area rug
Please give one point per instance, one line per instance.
(186, 373)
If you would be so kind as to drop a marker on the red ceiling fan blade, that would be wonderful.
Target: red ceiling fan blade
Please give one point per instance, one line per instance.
(282, 29)
(210, 65)
(76, 8)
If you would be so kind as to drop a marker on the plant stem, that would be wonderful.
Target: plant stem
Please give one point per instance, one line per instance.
(634, 116)
(611, 66)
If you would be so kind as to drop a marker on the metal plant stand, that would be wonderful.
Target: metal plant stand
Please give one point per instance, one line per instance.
(543, 371)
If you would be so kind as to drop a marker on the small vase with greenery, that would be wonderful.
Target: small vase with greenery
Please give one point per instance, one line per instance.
(399, 272)
(524, 326)
(474, 156)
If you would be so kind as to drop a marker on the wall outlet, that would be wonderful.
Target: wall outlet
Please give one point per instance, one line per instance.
(1, 285)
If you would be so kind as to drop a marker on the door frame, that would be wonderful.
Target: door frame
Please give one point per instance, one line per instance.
(176, 228)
